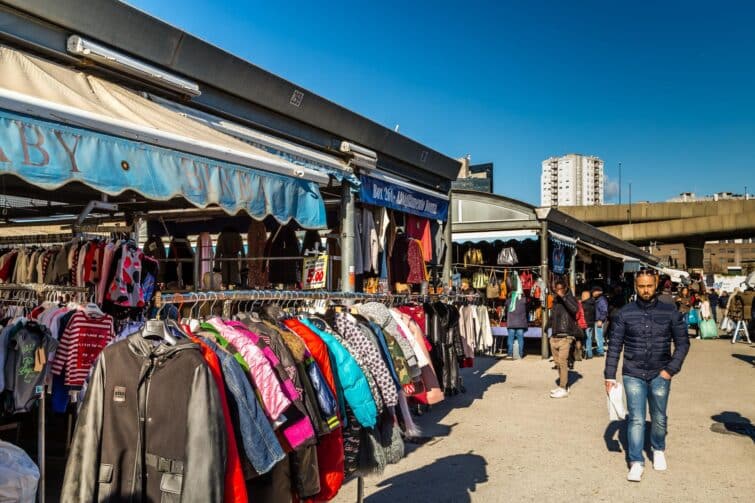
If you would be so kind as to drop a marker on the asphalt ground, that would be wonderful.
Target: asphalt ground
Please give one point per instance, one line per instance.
(505, 439)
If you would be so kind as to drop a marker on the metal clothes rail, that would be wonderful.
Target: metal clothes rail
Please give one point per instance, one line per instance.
(39, 289)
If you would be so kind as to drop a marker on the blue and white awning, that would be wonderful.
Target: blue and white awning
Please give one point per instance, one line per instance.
(59, 125)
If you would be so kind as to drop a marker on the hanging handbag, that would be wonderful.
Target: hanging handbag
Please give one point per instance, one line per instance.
(507, 256)
(473, 257)
(504, 290)
(527, 280)
(479, 280)
(493, 290)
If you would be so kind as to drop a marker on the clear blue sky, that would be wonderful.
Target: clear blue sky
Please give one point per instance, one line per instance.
(666, 89)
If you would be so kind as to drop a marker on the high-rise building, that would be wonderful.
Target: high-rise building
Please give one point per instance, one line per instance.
(572, 180)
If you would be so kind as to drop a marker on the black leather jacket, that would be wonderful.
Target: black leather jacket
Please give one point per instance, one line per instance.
(150, 428)
(564, 316)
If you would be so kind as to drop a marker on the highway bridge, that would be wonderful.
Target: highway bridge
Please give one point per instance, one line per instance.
(691, 223)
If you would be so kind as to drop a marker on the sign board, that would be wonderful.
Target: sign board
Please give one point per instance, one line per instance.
(728, 283)
(381, 193)
(315, 273)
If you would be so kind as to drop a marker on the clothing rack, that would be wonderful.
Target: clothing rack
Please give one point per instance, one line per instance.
(36, 239)
(502, 268)
(39, 289)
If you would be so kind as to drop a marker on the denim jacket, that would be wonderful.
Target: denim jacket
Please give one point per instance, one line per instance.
(257, 436)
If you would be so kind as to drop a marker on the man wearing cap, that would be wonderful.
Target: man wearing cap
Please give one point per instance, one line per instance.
(644, 330)
(598, 304)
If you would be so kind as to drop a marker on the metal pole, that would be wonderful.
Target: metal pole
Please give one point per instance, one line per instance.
(630, 203)
(619, 184)
(360, 489)
(348, 208)
(449, 257)
(544, 349)
(41, 448)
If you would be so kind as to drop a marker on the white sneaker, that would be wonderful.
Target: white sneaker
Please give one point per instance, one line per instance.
(559, 393)
(554, 390)
(635, 472)
(659, 461)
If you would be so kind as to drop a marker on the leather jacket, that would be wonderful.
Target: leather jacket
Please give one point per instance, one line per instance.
(564, 316)
(150, 429)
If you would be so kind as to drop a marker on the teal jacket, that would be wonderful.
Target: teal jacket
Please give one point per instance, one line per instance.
(351, 379)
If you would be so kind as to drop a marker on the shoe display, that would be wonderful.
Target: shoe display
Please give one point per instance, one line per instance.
(635, 472)
(659, 461)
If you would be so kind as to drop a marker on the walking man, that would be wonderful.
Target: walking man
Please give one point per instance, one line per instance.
(564, 329)
(644, 330)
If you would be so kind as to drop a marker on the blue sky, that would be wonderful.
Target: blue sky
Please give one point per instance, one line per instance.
(668, 90)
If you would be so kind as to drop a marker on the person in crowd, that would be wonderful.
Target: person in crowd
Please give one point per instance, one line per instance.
(684, 304)
(666, 296)
(705, 311)
(516, 321)
(601, 315)
(563, 324)
(588, 306)
(644, 330)
(713, 303)
(723, 301)
(575, 351)
(735, 308)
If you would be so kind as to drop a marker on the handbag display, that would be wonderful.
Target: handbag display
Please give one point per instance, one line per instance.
(479, 280)
(504, 290)
(507, 256)
(473, 257)
(493, 290)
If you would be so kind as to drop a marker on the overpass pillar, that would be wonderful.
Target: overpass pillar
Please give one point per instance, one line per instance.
(694, 249)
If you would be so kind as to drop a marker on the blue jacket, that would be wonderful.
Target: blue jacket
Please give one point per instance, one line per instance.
(644, 331)
(356, 389)
(601, 308)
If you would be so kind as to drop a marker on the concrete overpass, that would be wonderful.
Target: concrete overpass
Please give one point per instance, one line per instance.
(692, 223)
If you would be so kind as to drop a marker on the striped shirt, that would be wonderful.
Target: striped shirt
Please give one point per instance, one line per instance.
(80, 345)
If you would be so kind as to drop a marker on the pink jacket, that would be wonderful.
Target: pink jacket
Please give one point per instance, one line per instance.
(263, 375)
(296, 431)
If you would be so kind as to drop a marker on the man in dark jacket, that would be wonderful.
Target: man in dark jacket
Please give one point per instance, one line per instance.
(644, 330)
(713, 301)
(563, 324)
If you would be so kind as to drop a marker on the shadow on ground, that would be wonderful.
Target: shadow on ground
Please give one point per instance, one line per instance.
(449, 479)
(745, 358)
(733, 423)
(574, 376)
(616, 440)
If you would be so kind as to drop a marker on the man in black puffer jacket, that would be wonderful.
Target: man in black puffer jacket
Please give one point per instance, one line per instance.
(564, 329)
(644, 330)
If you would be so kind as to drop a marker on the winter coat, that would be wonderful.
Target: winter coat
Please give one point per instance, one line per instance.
(736, 308)
(644, 331)
(564, 316)
(330, 457)
(150, 429)
(356, 390)
(589, 308)
(601, 308)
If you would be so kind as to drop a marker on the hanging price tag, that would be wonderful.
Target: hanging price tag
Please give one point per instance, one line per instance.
(315, 273)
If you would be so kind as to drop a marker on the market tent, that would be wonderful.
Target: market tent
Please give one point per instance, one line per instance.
(60, 126)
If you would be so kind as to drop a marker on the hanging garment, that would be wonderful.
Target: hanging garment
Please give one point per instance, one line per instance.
(82, 341)
(256, 238)
(380, 315)
(417, 270)
(205, 257)
(382, 221)
(330, 457)
(168, 444)
(352, 331)
(258, 439)
(180, 273)
(419, 228)
(485, 335)
(359, 264)
(559, 259)
(370, 243)
(433, 393)
(439, 241)
(354, 384)
(283, 243)
(400, 260)
(126, 287)
(229, 246)
(235, 485)
(29, 345)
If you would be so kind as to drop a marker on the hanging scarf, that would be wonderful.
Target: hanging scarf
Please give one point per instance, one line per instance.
(516, 293)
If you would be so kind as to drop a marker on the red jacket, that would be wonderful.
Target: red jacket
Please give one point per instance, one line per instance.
(235, 485)
(330, 457)
(581, 322)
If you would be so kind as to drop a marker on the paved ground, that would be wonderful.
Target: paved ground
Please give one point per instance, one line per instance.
(506, 440)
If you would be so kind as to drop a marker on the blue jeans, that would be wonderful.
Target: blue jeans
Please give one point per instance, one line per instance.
(640, 393)
(517, 333)
(598, 331)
